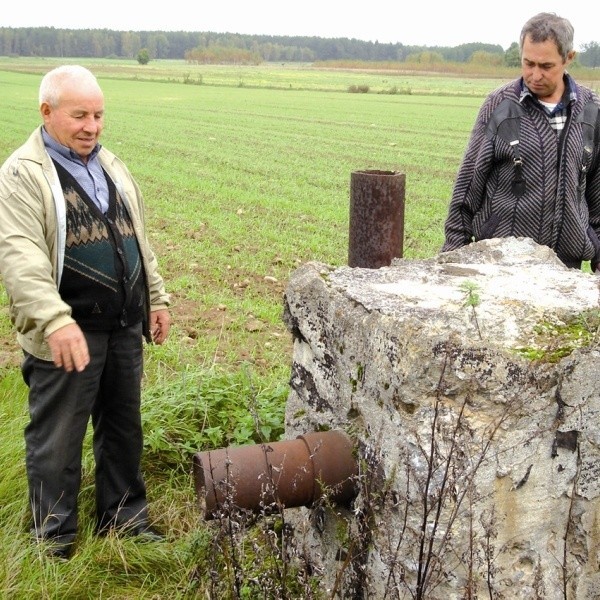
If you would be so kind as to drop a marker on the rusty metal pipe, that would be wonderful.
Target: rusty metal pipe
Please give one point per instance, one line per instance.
(376, 218)
(286, 474)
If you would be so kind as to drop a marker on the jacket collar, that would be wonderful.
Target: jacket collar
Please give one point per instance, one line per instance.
(569, 95)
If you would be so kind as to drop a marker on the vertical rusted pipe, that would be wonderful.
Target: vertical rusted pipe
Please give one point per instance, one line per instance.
(289, 473)
(376, 218)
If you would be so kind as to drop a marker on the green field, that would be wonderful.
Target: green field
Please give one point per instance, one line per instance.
(381, 78)
(246, 174)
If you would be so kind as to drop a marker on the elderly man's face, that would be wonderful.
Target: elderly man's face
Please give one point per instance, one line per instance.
(78, 120)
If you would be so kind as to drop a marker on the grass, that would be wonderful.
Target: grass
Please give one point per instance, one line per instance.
(245, 176)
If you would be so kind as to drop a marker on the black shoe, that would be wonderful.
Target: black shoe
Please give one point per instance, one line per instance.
(141, 532)
(145, 534)
(61, 552)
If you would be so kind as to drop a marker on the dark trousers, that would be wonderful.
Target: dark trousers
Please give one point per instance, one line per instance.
(60, 406)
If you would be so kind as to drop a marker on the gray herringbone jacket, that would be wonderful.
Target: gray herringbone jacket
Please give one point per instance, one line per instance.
(560, 206)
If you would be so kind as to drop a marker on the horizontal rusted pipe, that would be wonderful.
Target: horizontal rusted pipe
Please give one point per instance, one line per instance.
(284, 474)
(376, 233)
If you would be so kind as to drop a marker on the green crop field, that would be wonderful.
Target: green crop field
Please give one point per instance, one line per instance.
(246, 175)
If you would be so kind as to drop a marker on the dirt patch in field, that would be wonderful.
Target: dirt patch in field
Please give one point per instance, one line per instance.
(236, 334)
(10, 354)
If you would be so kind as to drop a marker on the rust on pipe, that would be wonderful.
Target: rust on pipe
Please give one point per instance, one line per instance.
(376, 218)
(286, 474)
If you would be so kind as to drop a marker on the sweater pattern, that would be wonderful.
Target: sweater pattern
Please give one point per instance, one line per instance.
(103, 276)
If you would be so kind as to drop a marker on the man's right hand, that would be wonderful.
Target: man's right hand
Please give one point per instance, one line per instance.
(69, 348)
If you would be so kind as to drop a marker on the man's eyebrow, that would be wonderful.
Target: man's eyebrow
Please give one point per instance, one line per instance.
(81, 111)
(542, 64)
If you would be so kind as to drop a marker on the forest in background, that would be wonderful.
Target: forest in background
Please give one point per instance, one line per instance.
(241, 48)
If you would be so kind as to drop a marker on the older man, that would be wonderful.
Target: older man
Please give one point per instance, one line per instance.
(84, 290)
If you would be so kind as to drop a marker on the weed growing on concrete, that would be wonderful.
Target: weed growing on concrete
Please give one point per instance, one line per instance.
(473, 300)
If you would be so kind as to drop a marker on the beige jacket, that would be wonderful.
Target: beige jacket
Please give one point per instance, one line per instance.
(32, 241)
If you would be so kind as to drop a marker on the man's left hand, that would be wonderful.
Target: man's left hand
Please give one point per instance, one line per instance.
(160, 323)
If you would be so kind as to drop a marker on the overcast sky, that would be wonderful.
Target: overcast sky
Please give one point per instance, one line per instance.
(418, 22)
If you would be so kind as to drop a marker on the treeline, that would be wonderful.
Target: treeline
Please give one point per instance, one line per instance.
(103, 43)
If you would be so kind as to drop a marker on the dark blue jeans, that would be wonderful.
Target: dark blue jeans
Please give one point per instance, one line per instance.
(60, 406)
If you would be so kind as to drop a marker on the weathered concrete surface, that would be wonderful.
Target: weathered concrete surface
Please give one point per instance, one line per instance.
(479, 445)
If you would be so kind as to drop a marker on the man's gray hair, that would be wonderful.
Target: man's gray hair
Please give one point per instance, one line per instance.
(53, 81)
(549, 26)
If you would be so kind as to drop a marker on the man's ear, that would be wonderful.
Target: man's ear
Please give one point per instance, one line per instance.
(45, 110)
(570, 57)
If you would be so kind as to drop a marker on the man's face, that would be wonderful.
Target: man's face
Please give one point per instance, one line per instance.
(78, 120)
(543, 69)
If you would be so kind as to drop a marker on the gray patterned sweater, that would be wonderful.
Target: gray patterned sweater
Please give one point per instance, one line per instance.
(560, 205)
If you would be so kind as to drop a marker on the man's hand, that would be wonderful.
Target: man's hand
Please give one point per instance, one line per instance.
(160, 323)
(69, 348)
